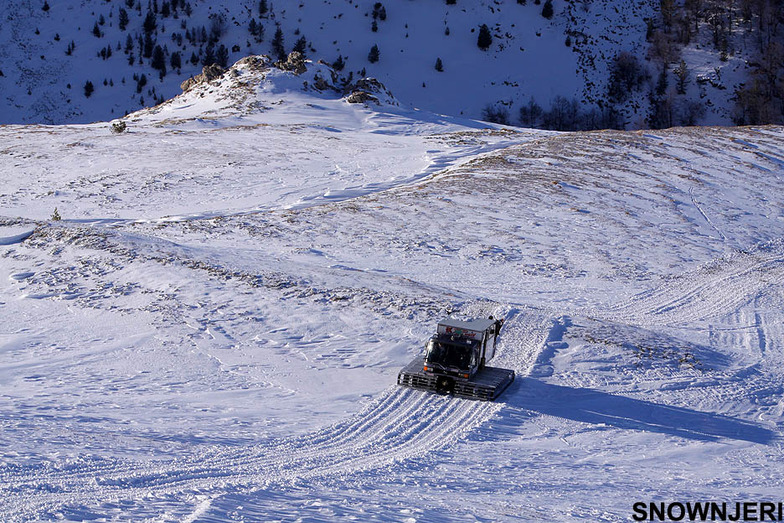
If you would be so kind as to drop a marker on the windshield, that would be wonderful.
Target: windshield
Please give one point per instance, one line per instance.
(449, 355)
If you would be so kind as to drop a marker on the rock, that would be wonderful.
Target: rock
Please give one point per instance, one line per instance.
(321, 84)
(370, 85)
(254, 63)
(211, 72)
(360, 97)
(295, 63)
(208, 73)
(187, 84)
(367, 90)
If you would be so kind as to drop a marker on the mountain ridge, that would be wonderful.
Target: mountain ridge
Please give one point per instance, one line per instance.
(566, 59)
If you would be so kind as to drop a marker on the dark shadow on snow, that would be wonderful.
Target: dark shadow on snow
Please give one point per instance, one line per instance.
(592, 406)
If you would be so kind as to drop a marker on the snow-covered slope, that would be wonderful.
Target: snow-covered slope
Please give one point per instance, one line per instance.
(530, 58)
(213, 330)
(43, 84)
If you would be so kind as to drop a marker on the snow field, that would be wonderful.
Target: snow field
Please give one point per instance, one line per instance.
(221, 347)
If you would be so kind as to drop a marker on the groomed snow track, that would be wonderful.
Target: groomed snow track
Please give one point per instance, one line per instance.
(716, 289)
(401, 424)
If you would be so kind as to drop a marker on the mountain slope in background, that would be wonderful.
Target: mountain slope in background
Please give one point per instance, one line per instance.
(48, 56)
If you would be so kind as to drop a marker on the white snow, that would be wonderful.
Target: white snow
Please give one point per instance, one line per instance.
(213, 330)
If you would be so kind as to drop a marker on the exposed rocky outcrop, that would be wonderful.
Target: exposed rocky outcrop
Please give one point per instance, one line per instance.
(321, 84)
(295, 63)
(240, 82)
(257, 63)
(368, 90)
(360, 97)
(208, 73)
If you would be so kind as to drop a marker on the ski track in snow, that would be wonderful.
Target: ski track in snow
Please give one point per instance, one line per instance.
(399, 425)
(706, 293)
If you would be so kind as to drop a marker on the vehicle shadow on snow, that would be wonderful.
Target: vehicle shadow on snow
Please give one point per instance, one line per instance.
(593, 406)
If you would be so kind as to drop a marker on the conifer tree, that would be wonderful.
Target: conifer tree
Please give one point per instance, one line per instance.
(373, 55)
(149, 46)
(209, 55)
(88, 89)
(176, 61)
(682, 75)
(661, 82)
(439, 65)
(222, 56)
(277, 44)
(301, 45)
(150, 22)
(485, 39)
(123, 20)
(339, 64)
(159, 60)
(547, 9)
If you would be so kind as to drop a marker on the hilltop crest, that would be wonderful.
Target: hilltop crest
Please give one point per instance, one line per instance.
(255, 84)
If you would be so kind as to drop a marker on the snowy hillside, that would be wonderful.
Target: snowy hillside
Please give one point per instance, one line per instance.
(213, 330)
(69, 62)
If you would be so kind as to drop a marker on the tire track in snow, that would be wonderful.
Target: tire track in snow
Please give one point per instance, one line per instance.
(737, 331)
(704, 215)
(401, 424)
(714, 290)
(404, 424)
(522, 342)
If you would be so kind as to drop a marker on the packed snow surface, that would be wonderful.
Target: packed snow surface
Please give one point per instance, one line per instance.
(213, 330)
